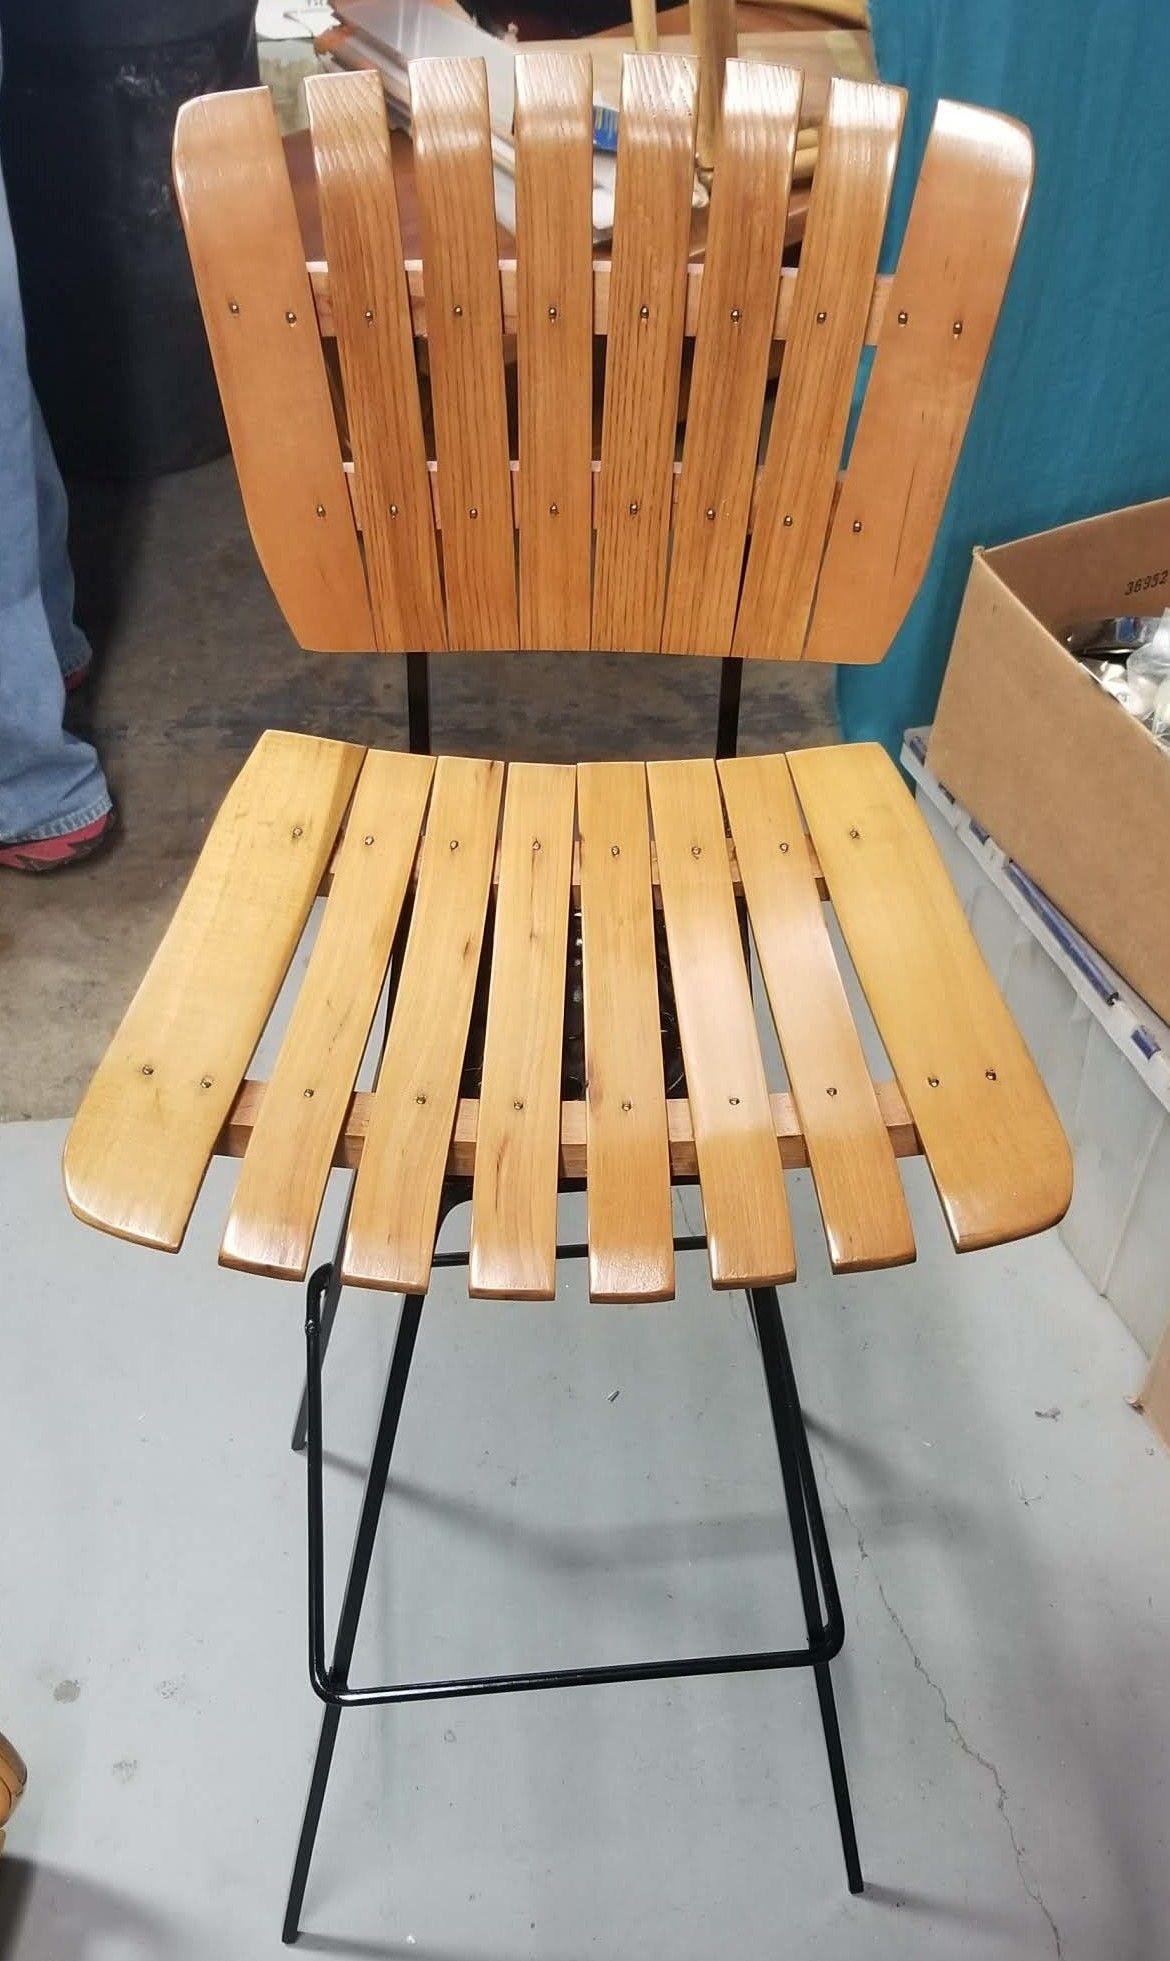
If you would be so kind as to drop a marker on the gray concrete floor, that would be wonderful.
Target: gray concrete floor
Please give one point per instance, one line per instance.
(998, 1514)
(193, 663)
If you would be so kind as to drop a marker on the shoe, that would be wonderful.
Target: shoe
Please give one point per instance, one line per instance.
(50, 854)
(78, 678)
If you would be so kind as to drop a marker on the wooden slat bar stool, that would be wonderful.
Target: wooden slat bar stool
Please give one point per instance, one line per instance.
(478, 887)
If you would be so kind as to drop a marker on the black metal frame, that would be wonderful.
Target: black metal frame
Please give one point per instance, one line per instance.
(329, 1675)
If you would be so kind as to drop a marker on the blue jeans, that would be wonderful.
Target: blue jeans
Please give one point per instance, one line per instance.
(50, 782)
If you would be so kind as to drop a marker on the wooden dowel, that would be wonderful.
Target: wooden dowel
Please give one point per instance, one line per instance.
(644, 16)
(714, 36)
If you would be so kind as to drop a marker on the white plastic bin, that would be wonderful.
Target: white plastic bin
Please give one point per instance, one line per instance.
(1102, 1051)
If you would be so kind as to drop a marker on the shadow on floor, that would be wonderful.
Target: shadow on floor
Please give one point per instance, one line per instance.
(88, 1921)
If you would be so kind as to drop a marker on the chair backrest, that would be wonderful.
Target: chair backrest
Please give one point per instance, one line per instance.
(368, 401)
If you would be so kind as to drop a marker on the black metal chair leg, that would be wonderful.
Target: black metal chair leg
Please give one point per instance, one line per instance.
(787, 1423)
(320, 1289)
(329, 1302)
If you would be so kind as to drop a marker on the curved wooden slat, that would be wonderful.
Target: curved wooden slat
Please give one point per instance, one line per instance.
(846, 218)
(631, 1243)
(249, 264)
(994, 1144)
(651, 229)
(391, 1236)
(745, 240)
(359, 217)
(956, 256)
(278, 1197)
(749, 1236)
(453, 176)
(863, 1207)
(148, 1123)
(514, 1196)
(554, 347)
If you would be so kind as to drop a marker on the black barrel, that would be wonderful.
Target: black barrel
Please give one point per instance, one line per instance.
(88, 102)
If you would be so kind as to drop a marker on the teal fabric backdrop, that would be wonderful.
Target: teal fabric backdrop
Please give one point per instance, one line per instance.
(1074, 413)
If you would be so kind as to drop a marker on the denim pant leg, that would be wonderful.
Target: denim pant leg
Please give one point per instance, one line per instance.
(50, 782)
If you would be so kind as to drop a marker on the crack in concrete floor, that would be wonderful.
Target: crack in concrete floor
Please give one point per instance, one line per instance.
(1001, 1797)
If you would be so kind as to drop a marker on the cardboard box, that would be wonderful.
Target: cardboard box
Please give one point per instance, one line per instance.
(1074, 789)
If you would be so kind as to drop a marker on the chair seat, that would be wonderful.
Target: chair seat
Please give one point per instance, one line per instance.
(511, 904)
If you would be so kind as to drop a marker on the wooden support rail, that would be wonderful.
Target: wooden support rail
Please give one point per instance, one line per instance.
(575, 890)
(235, 1135)
(318, 271)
